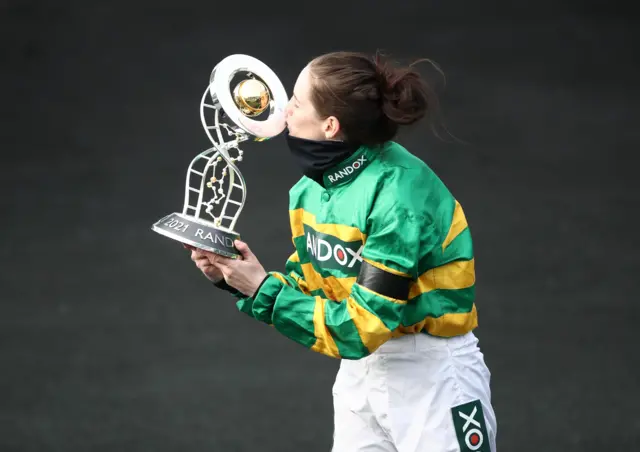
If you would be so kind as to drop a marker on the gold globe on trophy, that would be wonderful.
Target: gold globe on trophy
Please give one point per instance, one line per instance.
(252, 97)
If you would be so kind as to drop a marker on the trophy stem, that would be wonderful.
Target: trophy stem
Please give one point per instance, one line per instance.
(188, 186)
(219, 132)
(222, 148)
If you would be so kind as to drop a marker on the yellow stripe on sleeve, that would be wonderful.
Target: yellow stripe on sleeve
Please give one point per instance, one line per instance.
(335, 288)
(280, 278)
(294, 257)
(324, 341)
(458, 224)
(454, 275)
(447, 325)
(302, 284)
(373, 332)
(452, 324)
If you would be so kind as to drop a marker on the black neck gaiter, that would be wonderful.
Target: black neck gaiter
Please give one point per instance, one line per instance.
(315, 157)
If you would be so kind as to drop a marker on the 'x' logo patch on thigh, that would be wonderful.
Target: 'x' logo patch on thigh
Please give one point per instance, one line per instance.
(471, 431)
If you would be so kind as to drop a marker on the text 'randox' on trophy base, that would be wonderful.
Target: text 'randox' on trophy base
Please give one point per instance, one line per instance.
(244, 102)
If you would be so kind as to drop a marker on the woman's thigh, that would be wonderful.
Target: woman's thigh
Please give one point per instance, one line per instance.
(439, 397)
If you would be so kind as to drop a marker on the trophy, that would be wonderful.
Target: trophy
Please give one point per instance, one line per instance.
(244, 102)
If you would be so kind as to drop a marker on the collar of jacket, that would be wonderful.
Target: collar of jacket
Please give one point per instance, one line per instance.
(347, 170)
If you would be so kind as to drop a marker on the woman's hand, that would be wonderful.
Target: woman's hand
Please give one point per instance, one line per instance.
(202, 262)
(245, 274)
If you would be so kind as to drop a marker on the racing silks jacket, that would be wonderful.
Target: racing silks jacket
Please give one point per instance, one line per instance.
(383, 249)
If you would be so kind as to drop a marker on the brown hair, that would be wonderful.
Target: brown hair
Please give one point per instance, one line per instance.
(370, 97)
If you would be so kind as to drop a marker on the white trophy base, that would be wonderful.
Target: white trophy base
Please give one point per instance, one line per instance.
(199, 233)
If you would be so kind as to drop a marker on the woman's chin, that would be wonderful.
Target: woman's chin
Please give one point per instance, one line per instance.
(297, 134)
(291, 132)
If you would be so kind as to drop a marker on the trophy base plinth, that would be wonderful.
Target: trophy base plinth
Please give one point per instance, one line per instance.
(196, 232)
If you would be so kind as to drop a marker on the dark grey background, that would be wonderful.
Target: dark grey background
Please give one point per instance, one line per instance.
(111, 340)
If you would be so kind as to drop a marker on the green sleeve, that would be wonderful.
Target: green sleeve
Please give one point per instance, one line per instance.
(292, 277)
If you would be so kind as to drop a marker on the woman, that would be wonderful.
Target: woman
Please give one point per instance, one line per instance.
(383, 270)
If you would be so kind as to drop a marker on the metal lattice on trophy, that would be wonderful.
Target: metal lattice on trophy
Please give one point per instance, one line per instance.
(244, 102)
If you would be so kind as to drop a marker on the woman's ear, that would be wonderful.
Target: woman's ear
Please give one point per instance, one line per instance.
(331, 128)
